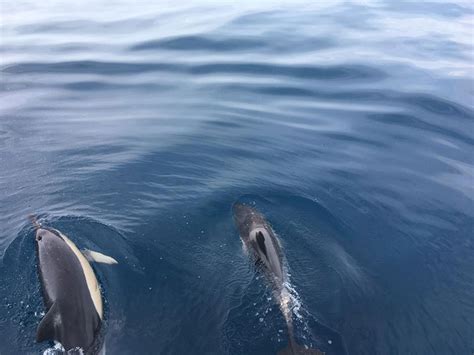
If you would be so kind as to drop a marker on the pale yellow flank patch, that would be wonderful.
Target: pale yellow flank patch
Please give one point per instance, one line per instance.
(91, 280)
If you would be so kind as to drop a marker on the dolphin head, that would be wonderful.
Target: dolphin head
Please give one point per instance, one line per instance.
(241, 211)
(46, 238)
(244, 217)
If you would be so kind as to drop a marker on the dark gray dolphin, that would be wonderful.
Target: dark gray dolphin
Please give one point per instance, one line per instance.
(262, 244)
(71, 293)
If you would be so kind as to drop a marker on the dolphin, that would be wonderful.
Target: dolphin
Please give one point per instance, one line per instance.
(261, 242)
(71, 293)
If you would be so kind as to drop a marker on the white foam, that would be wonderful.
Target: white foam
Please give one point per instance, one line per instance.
(57, 348)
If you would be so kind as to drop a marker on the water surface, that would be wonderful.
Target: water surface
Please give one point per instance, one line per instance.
(134, 128)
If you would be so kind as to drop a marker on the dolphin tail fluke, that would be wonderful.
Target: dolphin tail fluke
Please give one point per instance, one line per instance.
(34, 221)
(296, 349)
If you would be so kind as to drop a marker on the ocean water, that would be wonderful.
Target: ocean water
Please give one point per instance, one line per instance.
(133, 128)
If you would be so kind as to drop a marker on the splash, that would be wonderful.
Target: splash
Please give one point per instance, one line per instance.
(55, 350)
(296, 315)
(293, 299)
(58, 349)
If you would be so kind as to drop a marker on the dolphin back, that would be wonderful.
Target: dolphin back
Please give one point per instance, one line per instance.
(71, 293)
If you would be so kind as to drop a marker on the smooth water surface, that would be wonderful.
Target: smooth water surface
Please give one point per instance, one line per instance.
(134, 127)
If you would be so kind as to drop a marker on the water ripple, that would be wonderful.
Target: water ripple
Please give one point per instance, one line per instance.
(350, 124)
(191, 43)
(339, 72)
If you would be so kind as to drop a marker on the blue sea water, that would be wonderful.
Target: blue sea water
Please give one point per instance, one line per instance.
(133, 128)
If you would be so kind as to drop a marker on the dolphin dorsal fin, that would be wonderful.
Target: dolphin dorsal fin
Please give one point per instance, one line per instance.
(46, 328)
(95, 256)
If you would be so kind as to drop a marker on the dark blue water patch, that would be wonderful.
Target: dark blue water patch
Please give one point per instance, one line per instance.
(411, 121)
(68, 48)
(98, 86)
(352, 72)
(181, 303)
(203, 43)
(428, 103)
(223, 124)
(374, 293)
(351, 138)
(21, 301)
(91, 67)
(102, 86)
(440, 106)
(225, 43)
(286, 91)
